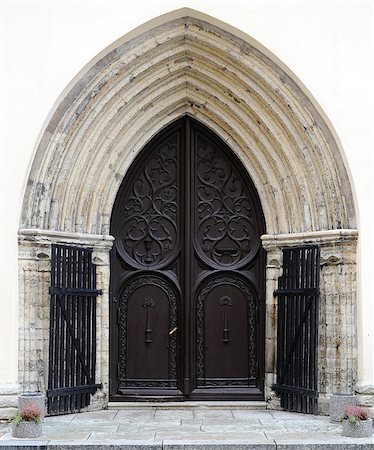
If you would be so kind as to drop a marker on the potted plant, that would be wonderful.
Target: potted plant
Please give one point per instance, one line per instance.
(37, 398)
(356, 422)
(27, 422)
(337, 404)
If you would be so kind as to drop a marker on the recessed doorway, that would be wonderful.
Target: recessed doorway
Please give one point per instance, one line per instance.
(187, 273)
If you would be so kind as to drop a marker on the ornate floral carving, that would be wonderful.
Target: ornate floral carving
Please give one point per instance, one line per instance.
(225, 301)
(225, 221)
(150, 211)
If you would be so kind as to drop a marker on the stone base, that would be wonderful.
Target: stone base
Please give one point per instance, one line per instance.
(323, 406)
(27, 430)
(7, 413)
(361, 429)
(8, 400)
(365, 394)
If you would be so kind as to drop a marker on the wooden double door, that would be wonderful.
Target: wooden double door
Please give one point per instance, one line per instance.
(187, 273)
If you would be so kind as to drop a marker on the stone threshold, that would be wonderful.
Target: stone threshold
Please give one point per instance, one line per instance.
(256, 405)
(180, 445)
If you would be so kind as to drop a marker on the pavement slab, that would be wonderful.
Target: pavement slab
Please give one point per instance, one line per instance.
(164, 414)
(156, 428)
(216, 445)
(247, 414)
(192, 428)
(214, 414)
(121, 436)
(222, 437)
(134, 414)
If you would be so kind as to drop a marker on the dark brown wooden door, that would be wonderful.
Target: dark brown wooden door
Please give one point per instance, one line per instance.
(187, 273)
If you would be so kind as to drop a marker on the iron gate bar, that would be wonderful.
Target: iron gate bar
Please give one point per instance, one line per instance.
(298, 295)
(75, 291)
(72, 346)
(89, 388)
(304, 291)
(296, 340)
(296, 390)
(74, 341)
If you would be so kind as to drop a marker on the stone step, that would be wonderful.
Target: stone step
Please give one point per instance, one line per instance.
(257, 405)
(234, 445)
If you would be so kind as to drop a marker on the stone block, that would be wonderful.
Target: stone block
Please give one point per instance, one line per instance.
(6, 413)
(8, 401)
(364, 388)
(365, 400)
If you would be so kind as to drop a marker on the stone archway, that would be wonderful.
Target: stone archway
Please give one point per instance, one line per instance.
(191, 64)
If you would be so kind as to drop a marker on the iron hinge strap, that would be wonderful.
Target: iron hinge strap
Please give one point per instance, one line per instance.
(284, 389)
(54, 290)
(296, 291)
(59, 392)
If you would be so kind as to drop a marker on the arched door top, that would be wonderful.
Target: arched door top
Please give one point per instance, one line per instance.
(188, 66)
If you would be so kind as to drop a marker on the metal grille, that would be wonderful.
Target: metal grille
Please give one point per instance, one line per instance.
(298, 305)
(72, 336)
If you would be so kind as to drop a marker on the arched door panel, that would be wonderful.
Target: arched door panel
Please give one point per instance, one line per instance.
(187, 273)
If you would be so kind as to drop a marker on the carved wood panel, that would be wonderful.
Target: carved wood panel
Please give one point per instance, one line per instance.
(149, 234)
(226, 340)
(147, 350)
(226, 230)
(187, 273)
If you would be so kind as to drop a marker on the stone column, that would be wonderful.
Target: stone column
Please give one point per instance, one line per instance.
(34, 281)
(273, 271)
(337, 330)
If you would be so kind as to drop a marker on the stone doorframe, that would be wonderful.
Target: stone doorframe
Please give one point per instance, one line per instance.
(188, 63)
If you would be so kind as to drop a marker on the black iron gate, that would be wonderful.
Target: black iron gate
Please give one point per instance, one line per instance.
(72, 336)
(298, 298)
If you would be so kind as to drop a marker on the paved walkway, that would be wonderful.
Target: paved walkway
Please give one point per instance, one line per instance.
(155, 428)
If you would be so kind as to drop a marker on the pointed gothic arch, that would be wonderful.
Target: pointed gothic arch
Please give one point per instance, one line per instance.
(192, 64)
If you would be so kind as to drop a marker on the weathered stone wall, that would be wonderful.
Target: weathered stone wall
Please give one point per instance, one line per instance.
(34, 282)
(337, 328)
